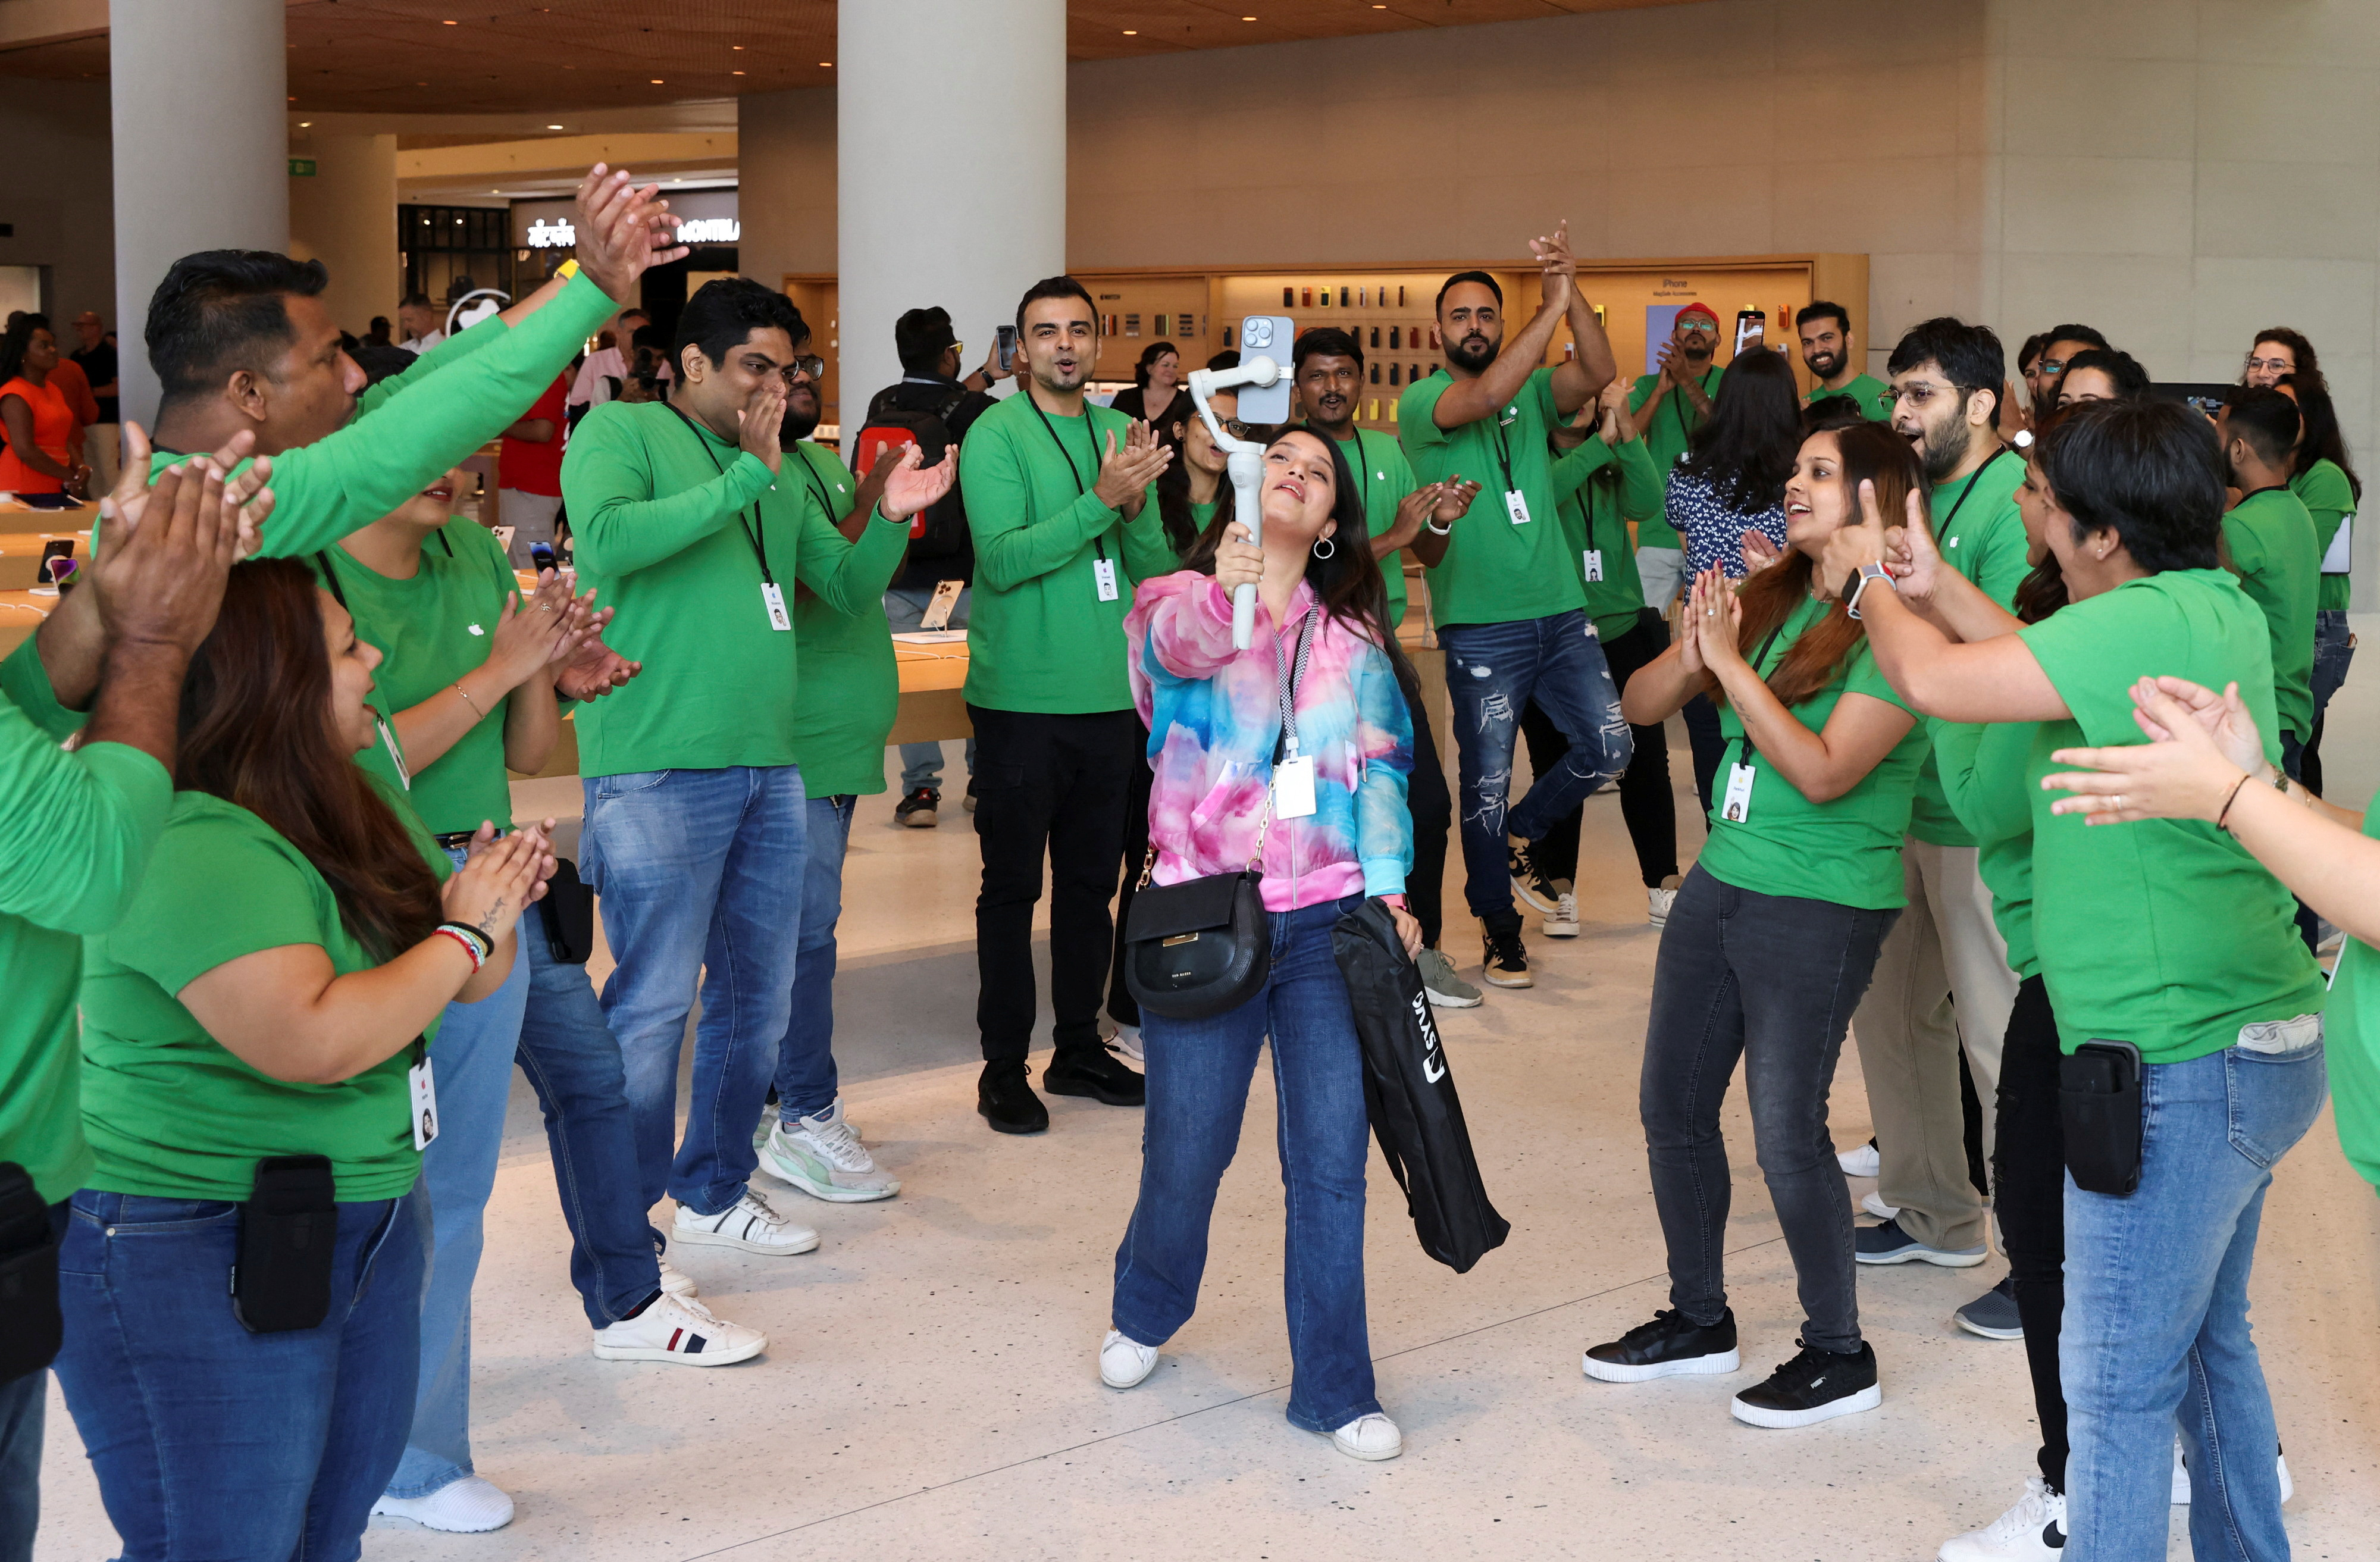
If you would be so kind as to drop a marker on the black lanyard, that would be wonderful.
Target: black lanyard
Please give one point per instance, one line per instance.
(1286, 678)
(1504, 446)
(1746, 753)
(817, 486)
(751, 525)
(1363, 477)
(1098, 543)
(1678, 406)
(1944, 528)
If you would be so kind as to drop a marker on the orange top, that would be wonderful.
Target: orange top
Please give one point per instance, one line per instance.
(53, 426)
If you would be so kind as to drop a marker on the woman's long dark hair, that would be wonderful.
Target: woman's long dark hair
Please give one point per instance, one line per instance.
(1181, 528)
(256, 730)
(2323, 441)
(1872, 453)
(1745, 452)
(1348, 583)
(1148, 356)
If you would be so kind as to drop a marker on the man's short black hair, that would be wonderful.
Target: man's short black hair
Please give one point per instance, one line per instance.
(1460, 277)
(224, 310)
(1056, 287)
(2148, 469)
(1971, 357)
(2122, 367)
(2073, 334)
(723, 314)
(1325, 341)
(920, 337)
(2265, 419)
(414, 300)
(1819, 308)
(2032, 348)
(1831, 412)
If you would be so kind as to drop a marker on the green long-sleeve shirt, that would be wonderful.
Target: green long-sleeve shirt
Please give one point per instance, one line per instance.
(81, 827)
(1602, 488)
(1039, 637)
(673, 526)
(851, 685)
(408, 429)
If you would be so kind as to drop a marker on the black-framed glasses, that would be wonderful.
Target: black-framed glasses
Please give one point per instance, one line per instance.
(1235, 428)
(807, 363)
(1917, 393)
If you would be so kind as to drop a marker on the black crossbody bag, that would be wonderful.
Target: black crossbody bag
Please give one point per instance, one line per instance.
(34, 1325)
(1202, 948)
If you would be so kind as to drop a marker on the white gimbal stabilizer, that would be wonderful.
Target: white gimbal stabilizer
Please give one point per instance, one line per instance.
(1257, 371)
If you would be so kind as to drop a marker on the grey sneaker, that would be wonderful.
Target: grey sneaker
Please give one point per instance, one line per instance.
(1446, 990)
(1889, 1244)
(821, 1156)
(1993, 1315)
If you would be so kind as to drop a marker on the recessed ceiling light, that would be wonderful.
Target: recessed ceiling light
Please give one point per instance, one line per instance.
(734, 73)
(1248, 19)
(658, 82)
(554, 127)
(305, 124)
(737, 47)
(449, 24)
(1131, 32)
(826, 65)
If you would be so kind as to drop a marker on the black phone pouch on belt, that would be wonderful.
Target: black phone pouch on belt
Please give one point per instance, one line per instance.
(288, 1237)
(2099, 1106)
(32, 1327)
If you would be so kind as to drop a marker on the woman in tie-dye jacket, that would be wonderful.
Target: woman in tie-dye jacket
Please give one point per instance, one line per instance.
(1214, 720)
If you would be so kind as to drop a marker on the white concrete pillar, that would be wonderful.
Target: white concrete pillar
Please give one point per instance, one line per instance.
(950, 189)
(344, 214)
(199, 95)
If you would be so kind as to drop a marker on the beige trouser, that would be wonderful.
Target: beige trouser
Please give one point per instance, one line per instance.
(1909, 1034)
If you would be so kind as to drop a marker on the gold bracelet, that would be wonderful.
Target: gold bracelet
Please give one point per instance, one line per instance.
(476, 712)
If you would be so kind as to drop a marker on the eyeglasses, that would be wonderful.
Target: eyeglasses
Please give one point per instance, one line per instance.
(1698, 326)
(1235, 428)
(2051, 366)
(2276, 365)
(1917, 393)
(808, 363)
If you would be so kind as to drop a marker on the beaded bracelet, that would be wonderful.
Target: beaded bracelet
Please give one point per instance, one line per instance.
(467, 948)
(477, 936)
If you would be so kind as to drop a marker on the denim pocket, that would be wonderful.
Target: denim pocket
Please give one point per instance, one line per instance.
(629, 781)
(2274, 1098)
(138, 1215)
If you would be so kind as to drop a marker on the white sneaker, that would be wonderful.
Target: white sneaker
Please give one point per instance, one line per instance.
(1874, 1203)
(1371, 1436)
(1127, 1041)
(469, 1506)
(2180, 1495)
(823, 1157)
(1659, 900)
(681, 1330)
(1563, 921)
(1864, 1161)
(2034, 1530)
(750, 1223)
(677, 1282)
(1124, 1362)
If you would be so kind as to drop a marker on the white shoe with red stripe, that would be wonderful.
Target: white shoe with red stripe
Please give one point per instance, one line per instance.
(681, 1330)
(750, 1223)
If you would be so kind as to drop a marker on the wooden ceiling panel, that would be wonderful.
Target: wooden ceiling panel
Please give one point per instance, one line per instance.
(480, 56)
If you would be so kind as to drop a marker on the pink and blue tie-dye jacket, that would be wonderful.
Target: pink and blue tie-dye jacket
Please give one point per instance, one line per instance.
(1214, 716)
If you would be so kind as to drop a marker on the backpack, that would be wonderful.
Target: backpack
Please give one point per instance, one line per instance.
(940, 530)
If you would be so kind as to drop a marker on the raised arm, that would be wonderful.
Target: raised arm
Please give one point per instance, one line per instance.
(1488, 392)
(1581, 379)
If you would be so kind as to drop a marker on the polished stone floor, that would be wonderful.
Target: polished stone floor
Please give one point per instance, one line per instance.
(929, 1390)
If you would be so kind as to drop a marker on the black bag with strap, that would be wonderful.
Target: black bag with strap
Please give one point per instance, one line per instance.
(1409, 1093)
(944, 533)
(569, 913)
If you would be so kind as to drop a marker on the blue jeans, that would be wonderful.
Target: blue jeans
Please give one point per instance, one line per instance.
(472, 1063)
(2332, 653)
(693, 873)
(2156, 1315)
(574, 1065)
(921, 763)
(1492, 673)
(806, 1081)
(1198, 1073)
(212, 1442)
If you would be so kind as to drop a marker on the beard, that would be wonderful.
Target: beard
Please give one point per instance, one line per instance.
(1473, 353)
(801, 418)
(1944, 449)
(1825, 365)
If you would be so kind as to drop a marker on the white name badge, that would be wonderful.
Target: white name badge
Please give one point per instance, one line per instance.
(772, 597)
(1592, 565)
(1517, 504)
(1103, 572)
(424, 1091)
(1736, 804)
(1292, 788)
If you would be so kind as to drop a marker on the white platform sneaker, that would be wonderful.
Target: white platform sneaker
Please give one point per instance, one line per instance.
(1369, 1436)
(1124, 1362)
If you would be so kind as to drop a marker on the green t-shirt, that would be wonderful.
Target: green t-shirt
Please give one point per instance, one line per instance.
(851, 685)
(1848, 851)
(1874, 397)
(172, 1113)
(430, 631)
(413, 426)
(2271, 540)
(1602, 490)
(2165, 933)
(2327, 496)
(1040, 636)
(1981, 534)
(1672, 431)
(1982, 774)
(2351, 1045)
(673, 523)
(1494, 572)
(81, 827)
(1385, 478)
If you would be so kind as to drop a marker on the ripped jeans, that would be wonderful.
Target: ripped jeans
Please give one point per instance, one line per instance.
(1492, 673)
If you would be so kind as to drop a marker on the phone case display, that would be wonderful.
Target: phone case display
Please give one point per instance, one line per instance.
(1135, 311)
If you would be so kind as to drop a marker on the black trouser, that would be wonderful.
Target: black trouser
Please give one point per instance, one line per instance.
(2029, 1172)
(1059, 784)
(1646, 803)
(1709, 745)
(1432, 807)
(1121, 1006)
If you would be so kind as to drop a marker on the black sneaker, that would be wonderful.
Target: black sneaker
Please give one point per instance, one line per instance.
(1097, 1073)
(1670, 1345)
(1007, 1103)
(917, 810)
(1814, 1387)
(1506, 963)
(1529, 881)
(1993, 1315)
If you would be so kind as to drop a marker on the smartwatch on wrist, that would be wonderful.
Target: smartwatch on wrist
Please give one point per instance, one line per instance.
(1859, 580)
